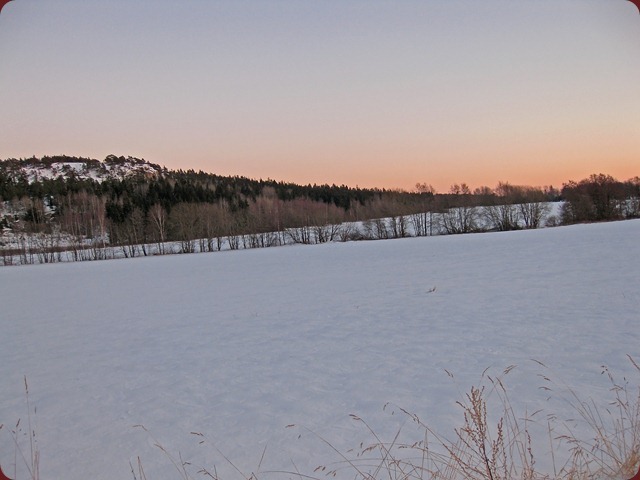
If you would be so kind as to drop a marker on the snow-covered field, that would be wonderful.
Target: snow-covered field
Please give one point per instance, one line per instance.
(239, 345)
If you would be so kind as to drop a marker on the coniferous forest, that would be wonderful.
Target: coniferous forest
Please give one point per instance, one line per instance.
(124, 206)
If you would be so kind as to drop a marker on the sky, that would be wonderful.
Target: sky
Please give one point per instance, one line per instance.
(369, 93)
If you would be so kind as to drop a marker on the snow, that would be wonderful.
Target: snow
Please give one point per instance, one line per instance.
(98, 171)
(238, 345)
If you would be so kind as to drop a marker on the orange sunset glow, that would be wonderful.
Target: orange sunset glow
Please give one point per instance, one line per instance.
(360, 93)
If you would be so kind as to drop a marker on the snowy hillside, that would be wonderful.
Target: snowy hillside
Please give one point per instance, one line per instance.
(238, 345)
(51, 168)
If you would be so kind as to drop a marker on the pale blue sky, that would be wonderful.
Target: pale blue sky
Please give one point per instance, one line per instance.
(369, 93)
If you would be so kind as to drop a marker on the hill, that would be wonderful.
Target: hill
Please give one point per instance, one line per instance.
(65, 168)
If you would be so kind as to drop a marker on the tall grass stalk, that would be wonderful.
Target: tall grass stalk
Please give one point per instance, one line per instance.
(28, 456)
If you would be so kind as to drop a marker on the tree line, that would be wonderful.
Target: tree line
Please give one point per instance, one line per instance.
(144, 213)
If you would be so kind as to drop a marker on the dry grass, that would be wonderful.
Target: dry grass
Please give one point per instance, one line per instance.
(494, 442)
(613, 450)
(25, 443)
(479, 449)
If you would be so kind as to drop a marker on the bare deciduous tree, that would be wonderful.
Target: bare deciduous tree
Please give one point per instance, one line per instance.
(463, 218)
(158, 221)
(184, 224)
